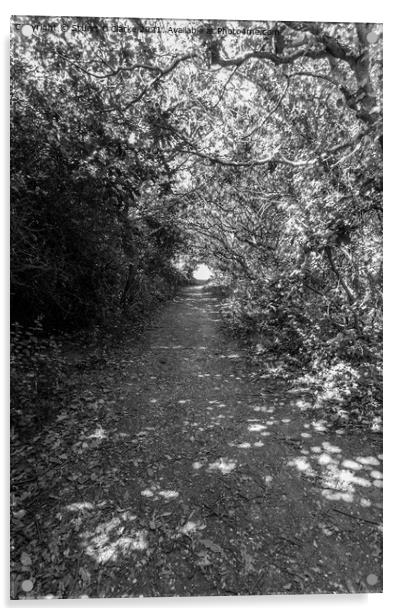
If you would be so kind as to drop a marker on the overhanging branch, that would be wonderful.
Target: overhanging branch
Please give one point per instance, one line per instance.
(277, 159)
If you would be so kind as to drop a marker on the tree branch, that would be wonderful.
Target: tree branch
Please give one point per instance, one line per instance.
(278, 159)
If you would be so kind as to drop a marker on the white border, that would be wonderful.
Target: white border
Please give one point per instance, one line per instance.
(338, 10)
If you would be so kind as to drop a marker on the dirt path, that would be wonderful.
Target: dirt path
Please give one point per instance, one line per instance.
(188, 475)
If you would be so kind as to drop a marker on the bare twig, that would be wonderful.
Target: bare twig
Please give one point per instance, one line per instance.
(356, 517)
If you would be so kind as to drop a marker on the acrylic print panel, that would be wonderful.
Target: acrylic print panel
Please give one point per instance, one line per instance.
(196, 305)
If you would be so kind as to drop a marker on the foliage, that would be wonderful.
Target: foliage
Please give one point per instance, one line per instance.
(86, 240)
(37, 375)
(261, 156)
(138, 145)
(147, 483)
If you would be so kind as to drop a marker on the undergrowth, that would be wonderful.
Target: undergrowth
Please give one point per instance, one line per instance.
(340, 366)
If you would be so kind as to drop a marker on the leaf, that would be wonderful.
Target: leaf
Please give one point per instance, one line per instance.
(77, 523)
(25, 559)
(19, 514)
(214, 547)
(154, 523)
(248, 561)
(204, 559)
(84, 574)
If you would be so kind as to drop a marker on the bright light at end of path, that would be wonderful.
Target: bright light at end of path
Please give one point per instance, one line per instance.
(202, 272)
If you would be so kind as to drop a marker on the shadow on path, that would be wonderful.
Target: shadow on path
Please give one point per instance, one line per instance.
(190, 478)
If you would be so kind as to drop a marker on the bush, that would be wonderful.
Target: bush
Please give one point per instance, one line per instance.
(342, 366)
(37, 374)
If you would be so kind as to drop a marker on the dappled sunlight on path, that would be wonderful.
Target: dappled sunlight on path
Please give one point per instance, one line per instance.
(198, 479)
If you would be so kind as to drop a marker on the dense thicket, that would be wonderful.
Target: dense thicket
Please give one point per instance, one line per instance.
(90, 233)
(261, 155)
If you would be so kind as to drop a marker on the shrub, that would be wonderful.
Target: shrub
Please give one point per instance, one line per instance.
(37, 374)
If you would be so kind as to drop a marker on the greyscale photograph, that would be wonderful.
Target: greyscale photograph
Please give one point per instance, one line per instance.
(195, 307)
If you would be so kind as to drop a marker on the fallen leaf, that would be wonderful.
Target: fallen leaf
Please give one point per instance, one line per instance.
(25, 559)
(20, 514)
(84, 574)
(204, 559)
(214, 547)
(248, 561)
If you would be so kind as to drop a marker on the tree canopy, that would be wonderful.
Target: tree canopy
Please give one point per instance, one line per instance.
(254, 147)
